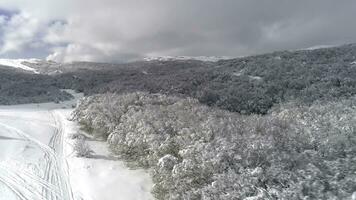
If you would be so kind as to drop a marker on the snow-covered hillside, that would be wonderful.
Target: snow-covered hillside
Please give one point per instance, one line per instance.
(319, 47)
(19, 63)
(201, 58)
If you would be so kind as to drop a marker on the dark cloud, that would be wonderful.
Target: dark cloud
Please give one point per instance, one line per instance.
(122, 30)
(7, 13)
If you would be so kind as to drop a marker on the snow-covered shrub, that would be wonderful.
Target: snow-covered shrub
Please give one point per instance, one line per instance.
(199, 152)
(82, 149)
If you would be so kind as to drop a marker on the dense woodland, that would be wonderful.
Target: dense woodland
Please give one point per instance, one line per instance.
(200, 152)
(245, 85)
(18, 87)
(272, 126)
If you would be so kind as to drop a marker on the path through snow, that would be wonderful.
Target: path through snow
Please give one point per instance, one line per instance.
(37, 171)
(36, 160)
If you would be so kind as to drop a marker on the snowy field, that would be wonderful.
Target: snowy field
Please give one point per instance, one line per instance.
(37, 160)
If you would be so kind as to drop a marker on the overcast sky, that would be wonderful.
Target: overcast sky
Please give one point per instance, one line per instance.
(123, 30)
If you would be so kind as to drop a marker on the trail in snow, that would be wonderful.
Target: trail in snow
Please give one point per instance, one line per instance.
(53, 182)
(35, 147)
(56, 143)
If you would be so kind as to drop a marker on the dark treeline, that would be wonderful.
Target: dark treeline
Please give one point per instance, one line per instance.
(18, 87)
(245, 85)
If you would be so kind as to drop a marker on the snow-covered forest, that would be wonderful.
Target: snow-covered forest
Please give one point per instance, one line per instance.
(200, 152)
(177, 100)
(272, 126)
(201, 132)
(252, 84)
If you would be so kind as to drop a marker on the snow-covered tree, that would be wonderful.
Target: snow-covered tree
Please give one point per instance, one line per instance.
(200, 152)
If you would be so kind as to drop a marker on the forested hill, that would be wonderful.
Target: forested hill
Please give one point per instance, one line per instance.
(19, 87)
(291, 134)
(247, 85)
(303, 146)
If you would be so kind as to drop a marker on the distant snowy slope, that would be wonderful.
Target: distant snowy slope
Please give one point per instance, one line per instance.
(201, 58)
(18, 63)
(320, 47)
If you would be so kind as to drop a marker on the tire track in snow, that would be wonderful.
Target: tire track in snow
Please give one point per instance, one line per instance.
(17, 193)
(55, 182)
(28, 176)
(51, 157)
(25, 187)
(57, 146)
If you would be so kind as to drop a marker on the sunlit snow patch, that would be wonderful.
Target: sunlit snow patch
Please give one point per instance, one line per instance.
(200, 58)
(320, 47)
(18, 63)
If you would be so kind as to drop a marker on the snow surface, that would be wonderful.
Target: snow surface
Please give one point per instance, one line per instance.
(320, 47)
(18, 63)
(258, 78)
(36, 159)
(201, 58)
(103, 177)
(31, 162)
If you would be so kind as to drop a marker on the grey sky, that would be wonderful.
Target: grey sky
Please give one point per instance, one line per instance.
(121, 30)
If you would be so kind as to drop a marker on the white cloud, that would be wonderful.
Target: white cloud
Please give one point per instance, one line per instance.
(2, 20)
(55, 33)
(20, 30)
(108, 30)
(73, 52)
